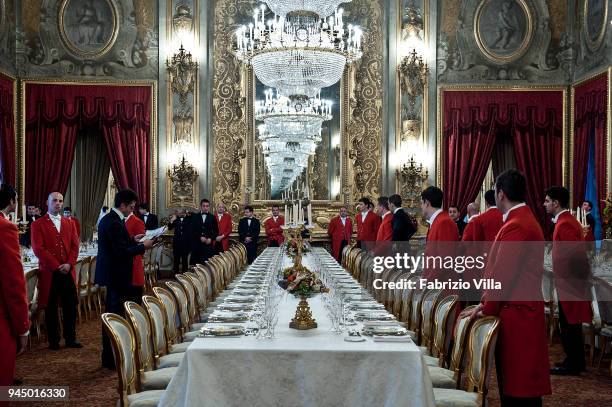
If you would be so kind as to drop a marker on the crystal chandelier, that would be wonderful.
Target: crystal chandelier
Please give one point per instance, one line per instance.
(298, 53)
(322, 8)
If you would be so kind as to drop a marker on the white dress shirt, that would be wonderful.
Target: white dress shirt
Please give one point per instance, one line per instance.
(57, 221)
(505, 217)
(434, 216)
(363, 216)
(556, 218)
(343, 221)
(204, 218)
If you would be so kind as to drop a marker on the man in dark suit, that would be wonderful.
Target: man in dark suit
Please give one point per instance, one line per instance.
(455, 214)
(150, 219)
(204, 232)
(181, 225)
(248, 230)
(116, 251)
(403, 226)
(31, 215)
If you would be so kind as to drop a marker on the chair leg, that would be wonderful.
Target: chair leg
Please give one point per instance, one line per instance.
(79, 306)
(602, 351)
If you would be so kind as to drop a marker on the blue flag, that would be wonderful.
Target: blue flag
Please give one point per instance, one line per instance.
(591, 185)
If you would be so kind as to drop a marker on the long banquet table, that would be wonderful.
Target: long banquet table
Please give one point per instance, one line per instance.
(300, 368)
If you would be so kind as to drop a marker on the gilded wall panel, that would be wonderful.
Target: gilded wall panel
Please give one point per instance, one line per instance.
(7, 36)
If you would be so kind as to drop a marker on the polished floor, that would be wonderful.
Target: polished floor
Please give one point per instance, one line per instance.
(91, 385)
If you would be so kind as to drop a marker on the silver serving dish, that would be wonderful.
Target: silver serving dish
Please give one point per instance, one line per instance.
(222, 330)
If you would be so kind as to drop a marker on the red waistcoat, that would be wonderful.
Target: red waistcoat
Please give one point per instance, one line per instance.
(135, 226)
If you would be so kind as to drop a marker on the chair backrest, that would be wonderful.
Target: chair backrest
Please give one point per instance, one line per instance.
(182, 304)
(406, 311)
(83, 273)
(123, 344)
(415, 310)
(200, 290)
(192, 303)
(444, 318)
(205, 273)
(461, 335)
(428, 307)
(172, 319)
(157, 317)
(31, 284)
(141, 326)
(92, 270)
(483, 337)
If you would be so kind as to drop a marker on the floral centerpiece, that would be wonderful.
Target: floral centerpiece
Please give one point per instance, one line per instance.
(301, 282)
(292, 247)
(607, 218)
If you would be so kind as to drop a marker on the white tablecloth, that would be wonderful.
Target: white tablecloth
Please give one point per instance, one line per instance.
(312, 368)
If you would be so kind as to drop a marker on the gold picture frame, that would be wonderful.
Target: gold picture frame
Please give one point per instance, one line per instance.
(491, 54)
(90, 31)
(16, 125)
(594, 44)
(21, 144)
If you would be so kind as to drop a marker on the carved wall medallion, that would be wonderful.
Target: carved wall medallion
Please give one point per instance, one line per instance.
(88, 28)
(594, 23)
(503, 29)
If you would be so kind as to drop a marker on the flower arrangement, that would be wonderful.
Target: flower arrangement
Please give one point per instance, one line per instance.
(291, 247)
(301, 282)
(607, 218)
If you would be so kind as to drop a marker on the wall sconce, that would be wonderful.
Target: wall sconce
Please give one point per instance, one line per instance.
(183, 176)
(182, 71)
(413, 78)
(412, 176)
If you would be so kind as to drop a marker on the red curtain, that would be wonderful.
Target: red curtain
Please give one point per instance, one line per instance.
(472, 122)
(7, 130)
(590, 109)
(55, 114)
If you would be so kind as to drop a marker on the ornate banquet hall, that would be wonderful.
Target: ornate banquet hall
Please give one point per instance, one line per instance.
(234, 203)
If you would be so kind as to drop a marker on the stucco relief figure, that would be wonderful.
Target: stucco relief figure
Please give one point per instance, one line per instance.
(90, 24)
(507, 26)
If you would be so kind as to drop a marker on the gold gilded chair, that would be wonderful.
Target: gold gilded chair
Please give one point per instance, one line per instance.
(200, 291)
(81, 269)
(428, 307)
(143, 329)
(188, 331)
(481, 350)
(173, 336)
(95, 297)
(451, 378)
(123, 344)
(415, 313)
(157, 317)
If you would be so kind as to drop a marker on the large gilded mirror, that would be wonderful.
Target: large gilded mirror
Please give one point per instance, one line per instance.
(344, 163)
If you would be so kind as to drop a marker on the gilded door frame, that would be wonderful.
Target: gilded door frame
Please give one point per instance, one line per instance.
(608, 71)
(16, 125)
(99, 82)
(497, 88)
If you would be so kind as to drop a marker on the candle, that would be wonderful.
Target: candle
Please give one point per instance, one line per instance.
(300, 211)
(23, 211)
(310, 214)
(16, 211)
(285, 211)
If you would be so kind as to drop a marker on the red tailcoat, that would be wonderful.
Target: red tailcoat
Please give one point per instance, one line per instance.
(14, 319)
(77, 226)
(385, 230)
(136, 226)
(274, 230)
(522, 344)
(367, 230)
(571, 269)
(338, 233)
(225, 228)
(487, 224)
(469, 233)
(53, 249)
(445, 230)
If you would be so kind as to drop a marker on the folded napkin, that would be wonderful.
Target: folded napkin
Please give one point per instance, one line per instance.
(380, 338)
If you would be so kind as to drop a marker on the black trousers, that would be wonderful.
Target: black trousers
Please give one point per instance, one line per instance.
(573, 343)
(251, 249)
(180, 258)
(63, 292)
(507, 401)
(114, 303)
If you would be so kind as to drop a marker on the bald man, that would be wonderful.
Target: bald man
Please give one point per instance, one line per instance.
(56, 244)
(469, 233)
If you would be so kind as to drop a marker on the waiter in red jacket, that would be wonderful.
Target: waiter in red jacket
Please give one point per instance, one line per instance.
(224, 219)
(488, 223)
(571, 271)
(340, 230)
(274, 230)
(14, 319)
(367, 222)
(522, 343)
(136, 227)
(385, 230)
(77, 225)
(55, 243)
(442, 231)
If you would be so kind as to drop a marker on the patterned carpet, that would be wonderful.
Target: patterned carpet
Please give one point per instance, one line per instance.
(92, 386)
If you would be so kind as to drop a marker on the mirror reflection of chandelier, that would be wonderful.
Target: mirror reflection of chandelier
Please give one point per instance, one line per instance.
(304, 47)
